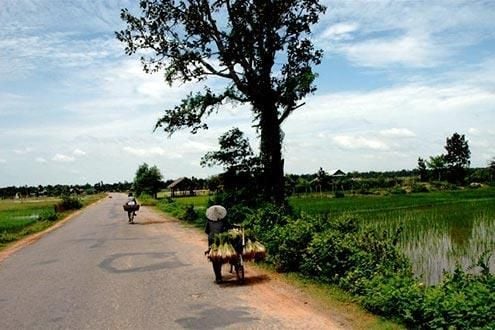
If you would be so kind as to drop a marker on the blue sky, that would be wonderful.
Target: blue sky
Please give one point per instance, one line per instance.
(397, 78)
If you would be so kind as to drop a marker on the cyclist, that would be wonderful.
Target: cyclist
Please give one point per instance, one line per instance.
(131, 212)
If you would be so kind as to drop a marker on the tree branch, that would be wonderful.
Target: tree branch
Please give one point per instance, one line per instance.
(288, 111)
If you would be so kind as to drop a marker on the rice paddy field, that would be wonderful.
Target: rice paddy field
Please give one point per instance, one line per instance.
(19, 218)
(438, 229)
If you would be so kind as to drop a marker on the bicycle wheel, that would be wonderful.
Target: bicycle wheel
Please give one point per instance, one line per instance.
(239, 270)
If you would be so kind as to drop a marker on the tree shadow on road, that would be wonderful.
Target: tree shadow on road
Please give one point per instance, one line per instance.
(214, 317)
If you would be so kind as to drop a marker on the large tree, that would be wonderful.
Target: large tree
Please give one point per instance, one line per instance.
(240, 180)
(260, 48)
(423, 173)
(491, 167)
(235, 153)
(437, 165)
(457, 157)
(147, 180)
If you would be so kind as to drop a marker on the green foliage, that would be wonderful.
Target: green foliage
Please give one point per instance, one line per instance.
(235, 152)
(423, 173)
(147, 180)
(368, 263)
(491, 167)
(34, 215)
(68, 203)
(263, 219)
(418, 188)
(461, 301)
(189, 213)
(147, 200)
(398, 190)
(437, 165)
(240, 181)
(396, 296)
(288, 243)
(458, 152)
(49, 215)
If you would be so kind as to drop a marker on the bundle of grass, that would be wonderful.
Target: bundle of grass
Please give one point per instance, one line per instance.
(254, 250)
(227, 246)
(224, 253)
(222, 249)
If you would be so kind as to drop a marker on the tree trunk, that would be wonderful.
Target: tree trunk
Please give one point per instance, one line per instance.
(271, 154)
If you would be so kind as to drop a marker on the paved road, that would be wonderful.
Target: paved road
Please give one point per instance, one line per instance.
(98, 272)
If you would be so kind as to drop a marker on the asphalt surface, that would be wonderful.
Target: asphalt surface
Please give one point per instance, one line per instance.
(99, 272)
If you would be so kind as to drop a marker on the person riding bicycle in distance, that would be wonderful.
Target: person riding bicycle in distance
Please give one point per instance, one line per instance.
(131, 201)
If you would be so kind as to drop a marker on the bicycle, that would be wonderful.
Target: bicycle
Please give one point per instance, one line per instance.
(131, 211)
(238, 263)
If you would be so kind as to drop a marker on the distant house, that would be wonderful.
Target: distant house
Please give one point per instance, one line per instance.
(337, 180)
(338, 174)
(181, 187)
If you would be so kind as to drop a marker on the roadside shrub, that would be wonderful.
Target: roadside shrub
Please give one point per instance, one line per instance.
(49, 215)
(347, 255)
(398, 190)
(443, 185)
(395, 296)
(328, 255)
(418, 188)
(264, 219)
(373, 253)
(189, 214)
(238, 214)
(461, 301)
(289, 243)
(68, 203)
(147, 200)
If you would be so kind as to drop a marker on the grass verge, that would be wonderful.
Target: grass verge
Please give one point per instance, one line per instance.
(19, 220)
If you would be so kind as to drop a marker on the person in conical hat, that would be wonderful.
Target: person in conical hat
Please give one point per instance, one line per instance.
(216, 224)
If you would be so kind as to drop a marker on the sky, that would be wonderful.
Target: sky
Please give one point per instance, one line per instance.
(396, 79)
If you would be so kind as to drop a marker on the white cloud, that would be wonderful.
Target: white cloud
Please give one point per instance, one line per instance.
(63, 158)
(2, 161)
(405, 33)
(78, 152)
(397, 132)
(340, 31)
(23, 151)
(474, 131)
(350, 142)
(152, 151)
(415, 51)
(40, 160)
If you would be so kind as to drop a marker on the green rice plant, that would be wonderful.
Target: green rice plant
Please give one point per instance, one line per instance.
(438, 229)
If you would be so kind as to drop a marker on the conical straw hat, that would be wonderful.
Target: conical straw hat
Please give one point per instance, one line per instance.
(216, 212)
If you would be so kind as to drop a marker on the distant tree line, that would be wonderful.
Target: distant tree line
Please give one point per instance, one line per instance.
(61, 190)
(241, 176)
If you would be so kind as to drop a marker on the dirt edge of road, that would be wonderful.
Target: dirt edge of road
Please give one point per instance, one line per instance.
(30, 239)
